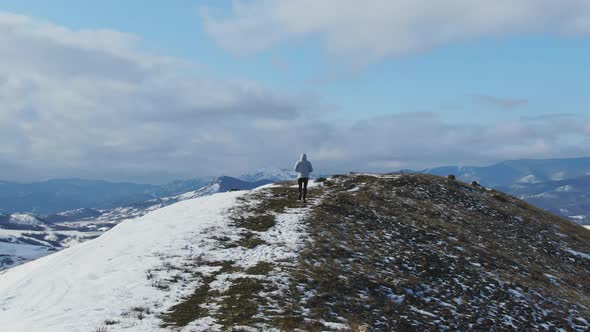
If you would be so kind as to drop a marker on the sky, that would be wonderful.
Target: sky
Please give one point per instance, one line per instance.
(151, 91)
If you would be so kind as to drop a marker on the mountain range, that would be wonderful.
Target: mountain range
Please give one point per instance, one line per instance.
(24, 236)
(53, 196)
(518, 171)
(67, 194)
(569, 197)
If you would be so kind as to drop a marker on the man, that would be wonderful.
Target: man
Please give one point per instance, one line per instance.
(303, 168)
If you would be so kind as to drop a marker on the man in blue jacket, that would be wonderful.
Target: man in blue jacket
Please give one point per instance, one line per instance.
(303, 168)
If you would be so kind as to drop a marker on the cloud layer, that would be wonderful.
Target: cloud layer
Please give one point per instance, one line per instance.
(94, 103)
(496, 102)
(362, 32)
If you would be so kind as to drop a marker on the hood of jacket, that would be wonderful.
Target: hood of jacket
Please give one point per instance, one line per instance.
(303, 157)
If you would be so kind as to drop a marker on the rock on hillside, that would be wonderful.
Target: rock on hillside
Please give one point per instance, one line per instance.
(374, 252)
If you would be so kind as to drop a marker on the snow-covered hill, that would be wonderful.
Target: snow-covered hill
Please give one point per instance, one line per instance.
(24, 236)
(14, 250)
(22, 221)
(125, 274)
(382, 252)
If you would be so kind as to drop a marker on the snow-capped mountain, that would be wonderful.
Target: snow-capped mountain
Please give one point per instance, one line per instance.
(366, 252)
(270, 174)
(57, 195)
(25, 221)
(220, 184)
(74, 215)
(569, 198)
(44, 235)
(518, 171)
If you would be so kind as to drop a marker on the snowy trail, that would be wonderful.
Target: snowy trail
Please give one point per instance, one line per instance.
(78, 288)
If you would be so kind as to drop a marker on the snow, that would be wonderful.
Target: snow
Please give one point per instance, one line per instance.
(84, 219)
(528, 179)
(566, 188)
(579, 254)
(515, 292)
(543, 195)
(20, 233)
(558, 176)
(273, 174)
(207, 190)
(25, 219)
(19, 252)
(354, 189)
(579, 217)
(334, 325)
(203, 324)
(423, 312)
(44, 239)
(78, 288)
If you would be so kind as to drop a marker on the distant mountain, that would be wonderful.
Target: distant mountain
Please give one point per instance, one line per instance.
(22, 221)
(569, 198)
(518, 171)
(561, 186)
(220, 184)
(271, 174)
(73, 215)
(181, 186)
(53, 196)
(25, 236)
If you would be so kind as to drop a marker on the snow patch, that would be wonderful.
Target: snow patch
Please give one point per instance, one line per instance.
(566, 188)
(579, 217)
(579, 254)
(528, 179)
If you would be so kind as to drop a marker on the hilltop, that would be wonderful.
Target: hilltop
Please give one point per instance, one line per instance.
(387, 252)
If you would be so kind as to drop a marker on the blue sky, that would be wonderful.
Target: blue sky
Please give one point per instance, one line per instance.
(336, 73)
(535, 67)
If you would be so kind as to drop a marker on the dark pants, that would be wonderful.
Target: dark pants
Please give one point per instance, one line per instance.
(302, 185)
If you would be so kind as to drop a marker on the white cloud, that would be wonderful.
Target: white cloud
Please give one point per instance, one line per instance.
(96, 104)
(365, 31)
(497, 102)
